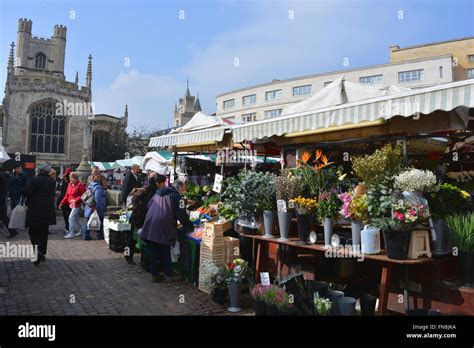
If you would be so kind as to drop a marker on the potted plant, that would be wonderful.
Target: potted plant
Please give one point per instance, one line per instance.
(354, 207)
(258, 294)
(267, 204)
(445, 200)
(273, 295)
(219, 286)
(322, 305)
(415, 182)
(304, 208)
(286, 188)
(235, 273)
(405, 215)
(462, 229)
(282, 301)
(328, 208)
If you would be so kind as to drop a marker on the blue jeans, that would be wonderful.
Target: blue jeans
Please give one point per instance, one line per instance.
(162, 254)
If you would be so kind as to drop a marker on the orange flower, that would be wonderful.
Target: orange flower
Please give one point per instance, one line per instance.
(318, 154)
(305, 157)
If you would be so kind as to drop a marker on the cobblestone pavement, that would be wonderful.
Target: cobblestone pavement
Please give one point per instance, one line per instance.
(99, 280)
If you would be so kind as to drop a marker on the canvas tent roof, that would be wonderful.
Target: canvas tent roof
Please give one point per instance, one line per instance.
(200, 120)
(456, 97)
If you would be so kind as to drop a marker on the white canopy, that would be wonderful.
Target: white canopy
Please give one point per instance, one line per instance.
(455, 98)
(200, 120)
(154, 161)
(341, 91)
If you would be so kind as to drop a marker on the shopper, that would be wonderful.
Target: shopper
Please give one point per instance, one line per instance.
(159, 229)
(4, 178)
(39, 193)
(72, 197)
(140, 199)
(132, 180)
(95, 172)
(66, 210)
(18, 180)
(100, 206)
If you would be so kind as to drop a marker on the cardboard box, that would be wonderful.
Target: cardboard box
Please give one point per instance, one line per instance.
(231, 248)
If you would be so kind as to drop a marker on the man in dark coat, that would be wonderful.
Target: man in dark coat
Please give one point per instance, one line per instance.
(160, 230)
(40, 192)
(3, 202)
(132, 180)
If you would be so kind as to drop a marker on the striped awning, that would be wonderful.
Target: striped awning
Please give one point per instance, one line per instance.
(427, 100)
(103, 165)
(197, 137)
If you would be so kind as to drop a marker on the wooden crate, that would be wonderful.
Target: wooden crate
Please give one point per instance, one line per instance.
(229, 248)
(212, 248)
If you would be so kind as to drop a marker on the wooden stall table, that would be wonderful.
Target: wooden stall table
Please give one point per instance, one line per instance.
(388, 265)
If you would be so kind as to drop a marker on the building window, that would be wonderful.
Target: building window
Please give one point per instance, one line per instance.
(470, 57)
(301, 90)
(249, 117)
(47, 129)
(470, 73)
(100, 142)
(249, 99)
(410, 76)
(273, 95)
(272, 113)
(40, 61)
(327, 83)
(227, 104)
(374, 79)
(440, 72)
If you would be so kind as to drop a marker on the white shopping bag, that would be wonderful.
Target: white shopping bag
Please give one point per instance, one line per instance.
(18, 218)
(94, 222)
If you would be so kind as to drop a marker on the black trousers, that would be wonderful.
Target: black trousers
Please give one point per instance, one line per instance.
(66, 211)
(39, 237)
(130, 243)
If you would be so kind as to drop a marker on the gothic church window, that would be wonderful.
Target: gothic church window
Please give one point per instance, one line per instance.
(40, 61)
(47, 129)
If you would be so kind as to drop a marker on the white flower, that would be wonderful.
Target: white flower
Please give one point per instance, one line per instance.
(415, 180)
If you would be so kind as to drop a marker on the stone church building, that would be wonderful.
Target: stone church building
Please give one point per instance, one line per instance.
(186, 108)
(43, 113)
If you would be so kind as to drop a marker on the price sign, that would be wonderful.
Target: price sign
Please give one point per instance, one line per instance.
(281, 206)
(265, 278)
(217, 183)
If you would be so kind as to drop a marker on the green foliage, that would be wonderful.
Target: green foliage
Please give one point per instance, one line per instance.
(287, 186)
(462, 229)
(447, 200)
(329, 205)
(380, 198)
(372, 169)
(227, 211)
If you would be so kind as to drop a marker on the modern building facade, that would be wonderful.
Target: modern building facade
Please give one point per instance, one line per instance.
(417, 70)
(462, 51)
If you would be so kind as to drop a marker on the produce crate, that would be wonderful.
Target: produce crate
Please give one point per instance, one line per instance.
(118, 240)
(231, 248)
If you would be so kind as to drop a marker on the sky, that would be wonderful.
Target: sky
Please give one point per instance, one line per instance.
(144, 51)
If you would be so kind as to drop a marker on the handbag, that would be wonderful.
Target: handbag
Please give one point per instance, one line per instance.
(88, 198)
(94, 222)
(18, 218)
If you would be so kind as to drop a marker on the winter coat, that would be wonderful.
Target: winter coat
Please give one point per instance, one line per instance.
(100, 200)
(73, 194)
(40, 192)
(140, 199)
(17, 184)
(129, 183)
(160, 221)
(3, 187)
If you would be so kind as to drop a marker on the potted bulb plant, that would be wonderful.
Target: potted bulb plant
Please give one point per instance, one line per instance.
(329, 206)
(258, 294)
(462, 229)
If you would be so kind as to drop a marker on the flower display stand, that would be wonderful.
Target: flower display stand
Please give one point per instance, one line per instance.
(419, 244)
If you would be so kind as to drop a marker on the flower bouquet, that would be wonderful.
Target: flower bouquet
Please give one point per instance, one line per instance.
(415, 180)
(405, 215)
(235, 273)
(258, 293)
(304, 205)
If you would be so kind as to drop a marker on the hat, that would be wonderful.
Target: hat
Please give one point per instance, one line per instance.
(67, 171)
(45, 167)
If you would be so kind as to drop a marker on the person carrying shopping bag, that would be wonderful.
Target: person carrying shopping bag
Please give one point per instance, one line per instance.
(72, 197)
(100, 196)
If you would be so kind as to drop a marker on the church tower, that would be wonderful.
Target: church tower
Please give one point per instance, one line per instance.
(186, 108)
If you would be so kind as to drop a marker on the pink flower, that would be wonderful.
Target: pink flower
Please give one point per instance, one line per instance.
(400, 217)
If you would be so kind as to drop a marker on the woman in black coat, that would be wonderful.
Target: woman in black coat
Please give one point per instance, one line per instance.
(40, 193)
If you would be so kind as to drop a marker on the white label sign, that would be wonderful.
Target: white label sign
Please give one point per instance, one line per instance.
(265, 278)
(172, 175)
(217, 183)
(194, 215)
(281, 206)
